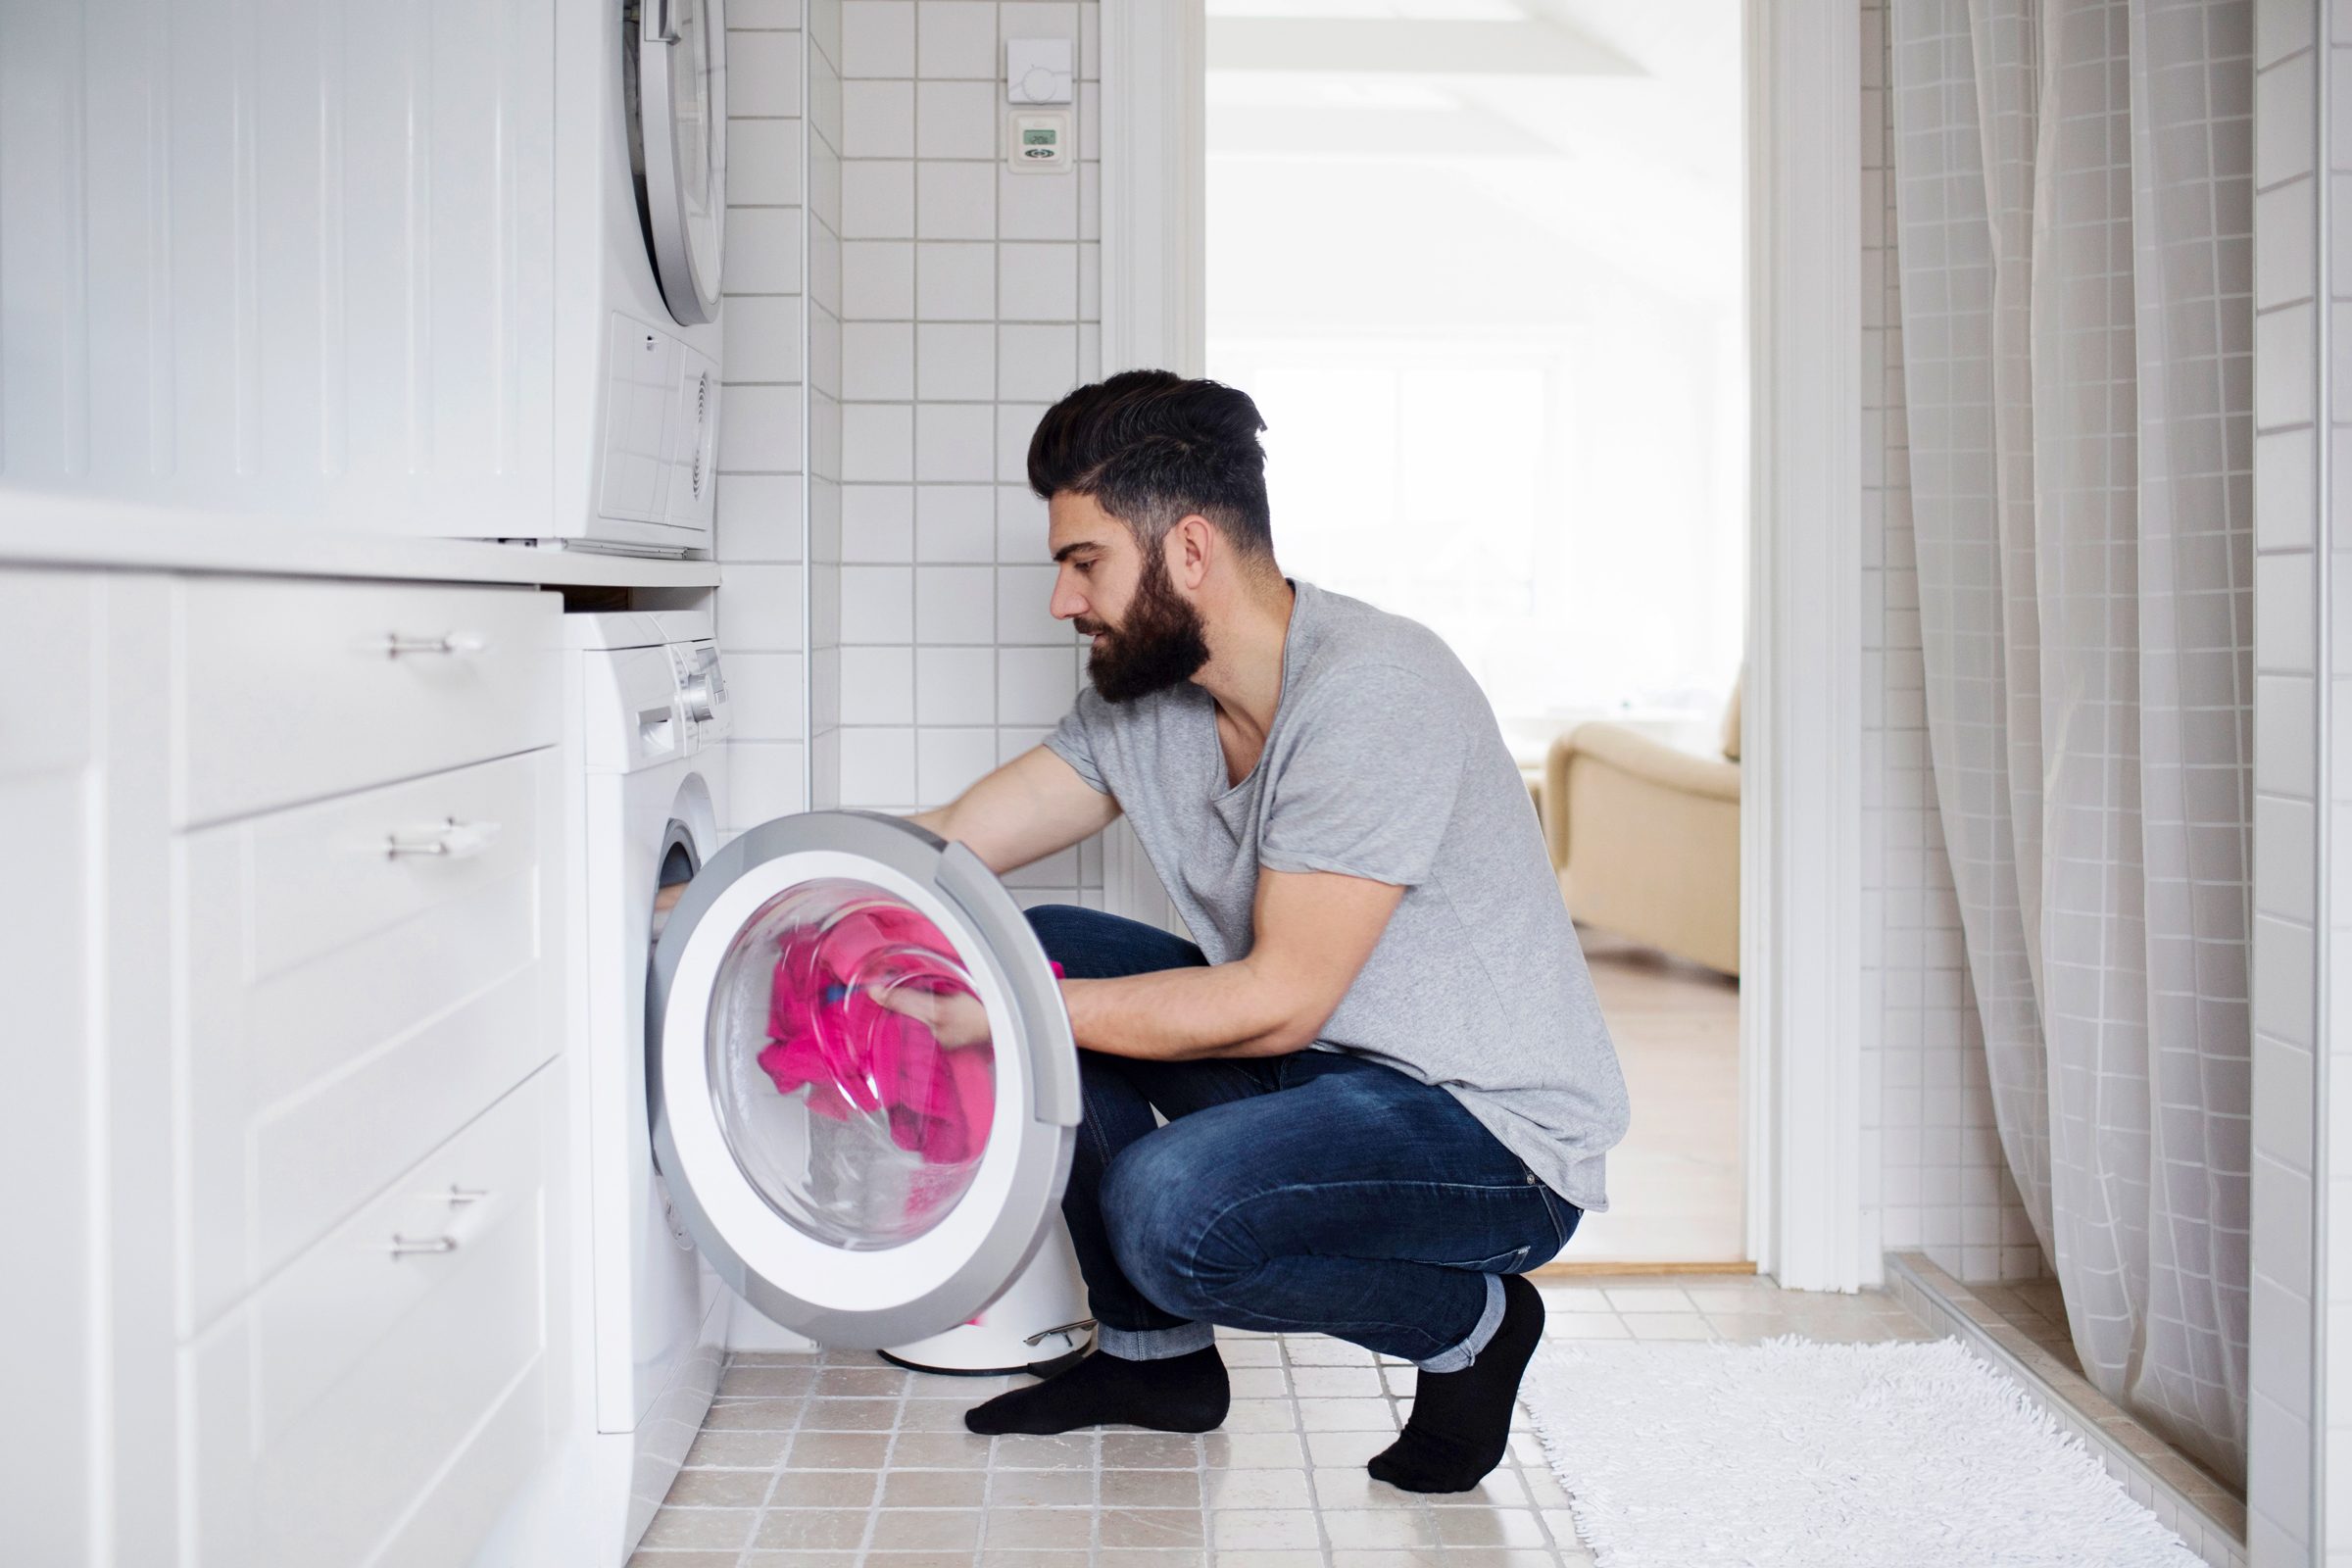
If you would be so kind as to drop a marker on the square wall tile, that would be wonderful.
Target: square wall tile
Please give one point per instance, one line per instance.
(877, 38)
(953, 686)
(956, 282)
(2284, 603)
(1023, 531)
(760, 429)
(764, 74)
(877, 605)
(877, 199)
(763, 163)
(1037, 282)
(1036, 685)
(953, 440)
(956, 38)
(956, 362)
(769, 694)
(762, 250)
(877, 360)
(877, 766)
(877, 442)
(955, 604)
(877, 280)
(1035, 207)
(877, 522)
(763, 336)
(957, 119)
(1036, 364)
(759, 609)
(1017, 423)
(955, 201)
(955, 522)
(764, 780)
(1023, 616)
(759, 516)
(877, 685)
(948, 761)
(877, 118)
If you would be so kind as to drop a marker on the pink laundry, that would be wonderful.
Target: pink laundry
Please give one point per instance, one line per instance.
(858, 1057)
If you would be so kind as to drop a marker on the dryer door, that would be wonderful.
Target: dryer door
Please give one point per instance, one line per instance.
(862, 1082)
(680, 93)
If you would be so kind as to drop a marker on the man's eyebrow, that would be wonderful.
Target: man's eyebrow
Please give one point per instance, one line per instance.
(1063, 553)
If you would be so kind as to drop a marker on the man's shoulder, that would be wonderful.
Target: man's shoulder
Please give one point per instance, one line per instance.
(1364, 650)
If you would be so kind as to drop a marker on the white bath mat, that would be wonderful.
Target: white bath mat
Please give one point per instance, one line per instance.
(1794, 1454)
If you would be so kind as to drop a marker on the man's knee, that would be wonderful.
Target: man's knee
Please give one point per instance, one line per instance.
(1060, 928)
(1172, 1224)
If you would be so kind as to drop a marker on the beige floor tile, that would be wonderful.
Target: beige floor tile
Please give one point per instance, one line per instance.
(1262, 1415)
(1256, 1488)
(1249, 1352)
(700, 1527)
(1020, 1452)
(1038, 1529)
(719, 1488)
(1152, 1451)
(1349, 1486)
(1252, 1451)
(749, 1450)
(1668, 1326)
(939, 1451)
(1114, 1557)
(942, 1489)
(727, 1558)
(1360, 1527)
(810, 1529)
(850, 1415)
(926, 1529)
(1263, 1528)
(1151, 1488)
(754, 1416)
(838, 1451)
(825, 1488)
(1258, 1382)
(758, 1558)
(1320, 1349)
(1572, 1299)
(1489, 1527)
(1348, 1415)
(1152, 1527)
(1040, 1488)
(1585, 1326)
(747, 1381)
(1337, 1382)
(1257, 1558)
(1649, 1299)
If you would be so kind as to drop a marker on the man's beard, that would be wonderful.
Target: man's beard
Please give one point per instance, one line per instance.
(1161, 641)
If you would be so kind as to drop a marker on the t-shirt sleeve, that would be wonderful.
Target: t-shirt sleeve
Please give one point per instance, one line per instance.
(1071, 741)
(1370, 786)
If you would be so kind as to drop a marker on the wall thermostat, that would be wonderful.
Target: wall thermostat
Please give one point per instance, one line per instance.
(1039, 142)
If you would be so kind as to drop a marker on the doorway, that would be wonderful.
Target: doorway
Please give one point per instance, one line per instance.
(1479, 264)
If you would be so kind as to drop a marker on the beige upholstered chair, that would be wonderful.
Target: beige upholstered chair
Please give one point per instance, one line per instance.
(1646, 837)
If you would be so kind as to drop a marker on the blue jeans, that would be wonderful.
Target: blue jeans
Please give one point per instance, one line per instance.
(1314, 1192)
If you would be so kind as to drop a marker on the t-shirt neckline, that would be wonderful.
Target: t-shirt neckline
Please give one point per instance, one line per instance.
(1221, 792)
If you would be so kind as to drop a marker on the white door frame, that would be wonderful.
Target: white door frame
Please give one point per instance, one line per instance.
(1801, 798)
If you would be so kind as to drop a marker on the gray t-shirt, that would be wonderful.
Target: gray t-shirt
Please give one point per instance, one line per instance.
(1384, 761)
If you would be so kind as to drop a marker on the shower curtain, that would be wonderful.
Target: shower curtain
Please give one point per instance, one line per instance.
(2074, 218)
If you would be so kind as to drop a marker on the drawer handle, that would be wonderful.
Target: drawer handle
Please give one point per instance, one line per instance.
(460, 1197)
(452, 840)
(404, 1245)
(451, 644)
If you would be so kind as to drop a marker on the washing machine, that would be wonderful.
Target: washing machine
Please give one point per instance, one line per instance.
(869, 1193)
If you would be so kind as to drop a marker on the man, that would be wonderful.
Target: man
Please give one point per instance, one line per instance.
(1387, 1085)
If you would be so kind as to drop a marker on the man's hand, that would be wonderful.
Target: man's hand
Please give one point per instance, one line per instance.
(954, 1017)
(667, 898)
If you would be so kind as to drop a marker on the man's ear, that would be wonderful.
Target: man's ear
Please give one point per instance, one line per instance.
(1193, 541)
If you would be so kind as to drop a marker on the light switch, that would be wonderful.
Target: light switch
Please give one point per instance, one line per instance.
(1037, 71)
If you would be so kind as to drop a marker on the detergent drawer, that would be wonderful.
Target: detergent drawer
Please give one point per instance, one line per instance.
(362, 977)
(294, 691)
(381, 1398)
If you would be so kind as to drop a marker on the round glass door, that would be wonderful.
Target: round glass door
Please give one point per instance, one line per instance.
(862, 1078)
(681, 133)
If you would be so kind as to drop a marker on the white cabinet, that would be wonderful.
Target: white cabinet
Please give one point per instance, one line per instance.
(282, 948)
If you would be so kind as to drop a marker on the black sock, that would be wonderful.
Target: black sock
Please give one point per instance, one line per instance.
(1181, 1393)
(1461, 1421)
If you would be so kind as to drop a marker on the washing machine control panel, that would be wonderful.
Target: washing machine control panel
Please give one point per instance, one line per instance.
(702, 702)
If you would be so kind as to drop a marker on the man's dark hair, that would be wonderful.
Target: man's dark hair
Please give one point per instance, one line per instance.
(1152, 447)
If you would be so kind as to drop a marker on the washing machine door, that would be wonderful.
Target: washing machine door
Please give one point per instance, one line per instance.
(681, 82)
(862, 1077)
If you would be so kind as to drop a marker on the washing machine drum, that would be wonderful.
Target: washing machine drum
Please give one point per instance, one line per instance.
(864, 1085)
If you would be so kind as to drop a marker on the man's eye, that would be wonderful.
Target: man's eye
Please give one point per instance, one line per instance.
(1084, 565)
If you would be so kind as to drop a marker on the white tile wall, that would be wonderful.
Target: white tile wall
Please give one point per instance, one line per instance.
(1935, 1178)
(967, 304)
(2285, 1284)
(764, 461)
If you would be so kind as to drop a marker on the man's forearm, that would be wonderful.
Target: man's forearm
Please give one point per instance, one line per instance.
(1225, 1009)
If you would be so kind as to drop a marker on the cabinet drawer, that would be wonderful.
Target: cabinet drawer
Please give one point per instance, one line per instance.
(348, 1007)
(373, 1405)
(293, 691)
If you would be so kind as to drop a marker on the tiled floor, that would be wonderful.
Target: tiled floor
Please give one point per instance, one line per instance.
(2036, 1310)
(836, 1460)
(1675, 1180)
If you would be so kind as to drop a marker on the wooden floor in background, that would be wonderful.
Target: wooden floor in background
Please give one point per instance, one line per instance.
(1674, 1182)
